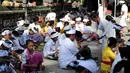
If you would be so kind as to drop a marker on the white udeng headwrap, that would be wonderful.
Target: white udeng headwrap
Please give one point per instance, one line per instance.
(60, 24)
(85, 20)
(34, 29)
(20, 23)
(90, 65)
(51, 16)
(6, 32)
(72, 22)
(55, 35)
(19, 28)
(72, 31)
(122, 1)
(78, 19)
(67, 28)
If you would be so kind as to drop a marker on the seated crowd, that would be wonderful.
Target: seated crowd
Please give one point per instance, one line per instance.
(64, 41)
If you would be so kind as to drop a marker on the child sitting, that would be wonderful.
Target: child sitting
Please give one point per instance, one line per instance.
(31, 60)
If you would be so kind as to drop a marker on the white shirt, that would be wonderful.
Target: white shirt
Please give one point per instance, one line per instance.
(10, 46)
(89, 64)
(112, 31)
(4, 67)
(117, 59)
(36, 25)
(26, 36)
(103, 27)
(79, 27)
(23, 37)
(61, 38)
(67, 53)
(88, 29)
(4, 53)
(48, 33)
(24, 57)
(104, 30)
(60, 24)
(16, 44)
(50, 47)
(124, 8)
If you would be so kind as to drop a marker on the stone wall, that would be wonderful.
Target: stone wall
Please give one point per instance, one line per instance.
(9, 18)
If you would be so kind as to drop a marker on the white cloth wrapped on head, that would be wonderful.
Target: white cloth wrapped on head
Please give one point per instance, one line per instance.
(64, 20)
(78, 19)
(71, 22)
(121, 1)
(50, 16)
(34, 29)
(67, 28)
(85, 20)
(60, 24)
(72, 31)
(21, 28)
(6, 32)
(56, 34)
(20, 23)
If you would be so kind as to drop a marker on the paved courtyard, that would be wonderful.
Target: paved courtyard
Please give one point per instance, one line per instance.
(51, 66)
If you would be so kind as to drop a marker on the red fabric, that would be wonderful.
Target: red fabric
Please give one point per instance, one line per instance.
(108, 63)
(109, 11)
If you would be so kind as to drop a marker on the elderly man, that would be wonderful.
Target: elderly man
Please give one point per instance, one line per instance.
(68, 50)
(51, 47)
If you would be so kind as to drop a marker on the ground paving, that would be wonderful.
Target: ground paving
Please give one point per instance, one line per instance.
(51, 66)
